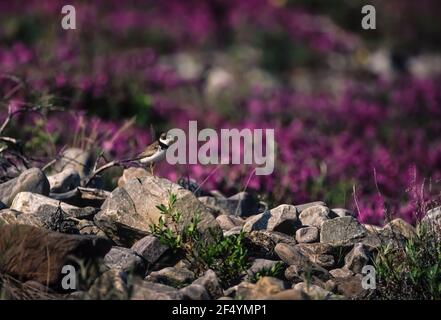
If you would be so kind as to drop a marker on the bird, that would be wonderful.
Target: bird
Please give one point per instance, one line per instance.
(156, 151)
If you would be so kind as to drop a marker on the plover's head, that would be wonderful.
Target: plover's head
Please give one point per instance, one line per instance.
(167, 139)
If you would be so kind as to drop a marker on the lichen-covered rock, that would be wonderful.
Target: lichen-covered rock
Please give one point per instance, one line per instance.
(241, 204)
(132, 173)
(342, 229)
(357, 258)
(129, 211)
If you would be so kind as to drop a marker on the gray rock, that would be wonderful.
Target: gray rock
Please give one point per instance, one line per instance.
(313, 291)
(357, 258)
(64, 181)
(304, 254)
(341, 273)
(111, 285)
(31, 203)
(301, 207)
(77, 159)
(280, 219)
(261, 264)
(232, 232)
(172, 276)
(32, 180)
(306, 272)
(126, 260)
(307, 235)
(261, 243)
(291, 255)
(342, 229)
(432, 217)
(402, 227)
(241, 204)
(87, 227)
(150, 248)
(210, 282)
(227, 222)
(314, 216)
(145, 290)
(129, 211)
(341, 212)
(195, 292)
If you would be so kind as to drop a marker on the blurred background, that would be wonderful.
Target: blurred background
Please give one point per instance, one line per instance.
(356, 112)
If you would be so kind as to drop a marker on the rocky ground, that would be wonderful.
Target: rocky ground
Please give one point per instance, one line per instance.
(304, 251)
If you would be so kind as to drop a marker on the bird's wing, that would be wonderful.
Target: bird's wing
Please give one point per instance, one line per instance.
(149, 151)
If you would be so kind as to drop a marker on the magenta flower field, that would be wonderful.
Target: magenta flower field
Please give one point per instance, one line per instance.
(356, 113)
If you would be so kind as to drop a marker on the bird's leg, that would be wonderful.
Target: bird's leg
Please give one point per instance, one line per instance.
(152, 165)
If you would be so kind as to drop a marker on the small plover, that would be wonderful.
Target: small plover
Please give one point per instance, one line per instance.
(156, 151)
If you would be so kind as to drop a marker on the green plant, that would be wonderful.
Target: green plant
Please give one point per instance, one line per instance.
(413, 270)
(227, 257)
(275, 271)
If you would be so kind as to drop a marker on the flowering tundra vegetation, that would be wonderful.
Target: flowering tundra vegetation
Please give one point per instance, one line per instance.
(355, 112)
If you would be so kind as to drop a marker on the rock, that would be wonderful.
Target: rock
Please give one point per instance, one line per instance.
(145, 290)
(32, 180)
(111, 285)
(304, 272)
(402, 227)
(241, 204)
(432, 216)
(301, 207)
(280, 219)
(341, 273)
(349, 287)
(195, 292)
(172, 276)
(261, 264)
(341, 212)
(150, 248)
(129, 211)
(30, 253)
(232, 232)
(87, 227)
(307, 235)
(77, 159)
(126, 260)
(132, 173)
(342, 229)
(227, 222)
(261, 244)
(290, 294)
(357, 258)
(291, 255)
(313, 291)
(2, 206)
(303, 254)
(319, 253)
(314, 216)
(210, 282)
(265, 287)
(31, 203)
(372, 228)
(64, 181)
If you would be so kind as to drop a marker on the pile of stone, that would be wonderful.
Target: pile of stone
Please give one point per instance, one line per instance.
(48, 223)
